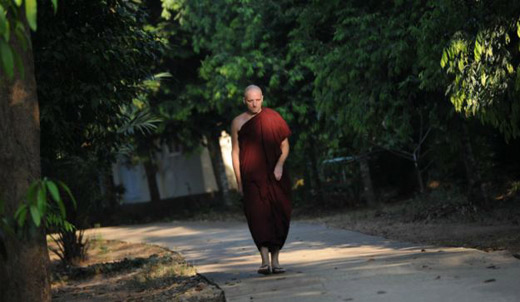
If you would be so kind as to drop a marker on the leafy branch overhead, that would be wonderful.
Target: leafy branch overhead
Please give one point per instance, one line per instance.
(13, 13)
(486, 74)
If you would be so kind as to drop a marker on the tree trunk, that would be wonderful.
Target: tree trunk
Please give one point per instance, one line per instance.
(307, 182)
(218, 167)
(110, 190)
(476, 191)
(151, 170)
(368, 188)
(419, 174)
(315, 172)
(23, 273)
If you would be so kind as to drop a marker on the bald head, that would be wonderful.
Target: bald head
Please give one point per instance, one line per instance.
(253, 99)
(252, 88)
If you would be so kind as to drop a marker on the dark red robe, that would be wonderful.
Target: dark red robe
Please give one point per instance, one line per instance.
(267, 201)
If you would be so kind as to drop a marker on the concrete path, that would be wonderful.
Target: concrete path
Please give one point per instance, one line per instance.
(328, 264)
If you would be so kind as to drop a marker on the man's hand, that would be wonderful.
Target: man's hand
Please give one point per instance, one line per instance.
(278, 171)
(240, 190)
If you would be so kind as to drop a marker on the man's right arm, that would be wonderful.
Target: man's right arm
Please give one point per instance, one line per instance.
(235, 151)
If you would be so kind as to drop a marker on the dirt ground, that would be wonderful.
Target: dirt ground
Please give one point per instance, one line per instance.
(492, 235)
(119, 271)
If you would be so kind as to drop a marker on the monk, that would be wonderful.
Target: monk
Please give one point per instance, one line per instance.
(260, 147)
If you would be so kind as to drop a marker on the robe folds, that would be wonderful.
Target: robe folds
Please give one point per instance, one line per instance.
(267, 201)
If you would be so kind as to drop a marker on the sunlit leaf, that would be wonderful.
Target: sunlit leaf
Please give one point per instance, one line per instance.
(30, 13)
(4, 24)
(444, 59)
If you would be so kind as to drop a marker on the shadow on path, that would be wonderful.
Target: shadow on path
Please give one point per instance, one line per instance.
(328, 264)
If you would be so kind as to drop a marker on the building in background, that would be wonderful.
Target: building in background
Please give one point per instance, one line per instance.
(178, 173)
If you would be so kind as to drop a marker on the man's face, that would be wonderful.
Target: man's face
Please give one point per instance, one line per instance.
(253, 100)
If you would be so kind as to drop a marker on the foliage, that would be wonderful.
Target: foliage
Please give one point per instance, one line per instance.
(43, 206)
(37, 204)
(351, 77)
(483, 58)
(91, 59)
(99, 57)
(12, 22)
(71, 246)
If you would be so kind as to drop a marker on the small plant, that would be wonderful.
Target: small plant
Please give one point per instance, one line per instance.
(72, 247)
(42, 206)
(38, 205)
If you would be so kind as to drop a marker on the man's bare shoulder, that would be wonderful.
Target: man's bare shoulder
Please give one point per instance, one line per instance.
(240, 120)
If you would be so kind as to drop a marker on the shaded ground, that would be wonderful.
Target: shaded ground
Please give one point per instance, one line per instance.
(440, 217)
(474, 235)
(429, 222)
(389, 222)
(119, 271)
(330, 264)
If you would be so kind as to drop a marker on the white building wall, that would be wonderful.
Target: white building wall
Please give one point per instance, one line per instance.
(134, 180)
(179, 174)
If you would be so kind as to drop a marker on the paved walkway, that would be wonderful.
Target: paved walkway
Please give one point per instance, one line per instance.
(328, 264)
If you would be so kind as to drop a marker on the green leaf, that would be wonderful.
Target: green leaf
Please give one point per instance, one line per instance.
(61, 205)
(55, 193)
(30, 13)
(4, 24)
(18, 2)
(7, 58)
(444, 58)
(477, 50)
(41, 199)
(19, 31)
(66, 188)
(68, 226)
(31, 191)
(461, 65)
(21, 214)
(36, 215)
(55, 5)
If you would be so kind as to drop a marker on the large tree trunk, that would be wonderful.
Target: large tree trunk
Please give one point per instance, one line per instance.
(368, 188)
(23, 273)
(476, 192)
(151, 170)
(218, 167)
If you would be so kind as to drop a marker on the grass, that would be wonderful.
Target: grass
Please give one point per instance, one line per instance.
(160, 271)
